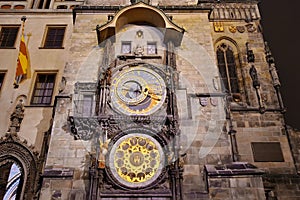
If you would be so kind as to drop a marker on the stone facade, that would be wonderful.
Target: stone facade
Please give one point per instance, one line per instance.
(213, 144)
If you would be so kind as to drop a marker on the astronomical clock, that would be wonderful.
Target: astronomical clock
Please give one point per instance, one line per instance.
(138, 139)
(136, 142)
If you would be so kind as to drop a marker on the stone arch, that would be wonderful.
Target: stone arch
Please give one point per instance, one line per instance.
(229, 41)
(238, 62)
(12, 150)
(141, 14)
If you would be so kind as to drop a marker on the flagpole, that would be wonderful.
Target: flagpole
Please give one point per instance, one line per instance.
(18, 78)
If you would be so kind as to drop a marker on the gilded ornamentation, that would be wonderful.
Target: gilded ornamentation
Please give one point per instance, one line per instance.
(136, 160)
(218, 27)
(232, 29)
(137, 91)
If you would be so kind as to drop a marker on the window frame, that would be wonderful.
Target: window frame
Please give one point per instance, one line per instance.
(12, 46)
(43, 89)
(47, 35)
(123, 43)
(151, 44)
(231, 76)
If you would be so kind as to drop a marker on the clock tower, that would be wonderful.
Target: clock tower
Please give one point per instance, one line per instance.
(137, 146)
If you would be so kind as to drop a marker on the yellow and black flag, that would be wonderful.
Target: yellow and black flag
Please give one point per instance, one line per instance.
(23, 64)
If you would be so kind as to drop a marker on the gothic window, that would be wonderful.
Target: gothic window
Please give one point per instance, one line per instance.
(126, 47)
(43, 89)
(151, 48)
(13, 189)
(227, 68)
(54, 37)
(8, 35)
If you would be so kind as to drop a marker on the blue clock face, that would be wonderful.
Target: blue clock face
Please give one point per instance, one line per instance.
(137, 91)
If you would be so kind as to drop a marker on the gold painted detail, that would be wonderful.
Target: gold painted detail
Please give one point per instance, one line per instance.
(232, 29)
(218, 27)
(137, 159)
(138, 91)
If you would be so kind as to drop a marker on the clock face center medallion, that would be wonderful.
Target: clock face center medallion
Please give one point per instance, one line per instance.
(136, 159)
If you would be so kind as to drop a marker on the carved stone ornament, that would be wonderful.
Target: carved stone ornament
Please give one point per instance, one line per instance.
(232, 29)
(139, 50)
(62, 84)
(214, 101)
(240, 29)
(85, 87)
(203, 101)
(16, 118)
(254, 77)
(13, 150)
(250, 28)
(84, 128)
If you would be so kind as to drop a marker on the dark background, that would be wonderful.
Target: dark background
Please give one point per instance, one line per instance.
(281, 29)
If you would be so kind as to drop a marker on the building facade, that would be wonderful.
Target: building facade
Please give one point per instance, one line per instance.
(142, 100)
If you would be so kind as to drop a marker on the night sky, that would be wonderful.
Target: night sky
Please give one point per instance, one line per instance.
(281, 24)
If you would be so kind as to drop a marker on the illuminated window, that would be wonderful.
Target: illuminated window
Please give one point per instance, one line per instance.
(43, 89)
(126, 47)
(227, 68)
(54, 37)
(151, 48)
(8, 36)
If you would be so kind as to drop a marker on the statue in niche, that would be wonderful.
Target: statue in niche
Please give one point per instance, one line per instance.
(254, 77)
(139, 50)
(17, 117)
(250, 54)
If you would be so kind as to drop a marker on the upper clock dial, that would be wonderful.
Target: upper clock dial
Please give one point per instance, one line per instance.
(137, 91)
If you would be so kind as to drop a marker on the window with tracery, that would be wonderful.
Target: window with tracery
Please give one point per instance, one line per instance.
(227, 68)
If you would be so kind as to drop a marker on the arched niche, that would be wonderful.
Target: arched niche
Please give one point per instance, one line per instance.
(141, 14)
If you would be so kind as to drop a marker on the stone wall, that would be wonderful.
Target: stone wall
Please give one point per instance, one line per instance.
(282, 186)
(243, 187)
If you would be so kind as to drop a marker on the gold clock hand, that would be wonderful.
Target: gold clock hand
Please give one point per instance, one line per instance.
(146, 92)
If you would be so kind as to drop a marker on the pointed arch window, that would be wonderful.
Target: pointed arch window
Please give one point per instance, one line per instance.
(14, 182)
(227, 68)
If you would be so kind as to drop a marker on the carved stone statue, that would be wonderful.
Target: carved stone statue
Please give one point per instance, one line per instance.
(139, 50)
(16, 118)
(254, 77)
